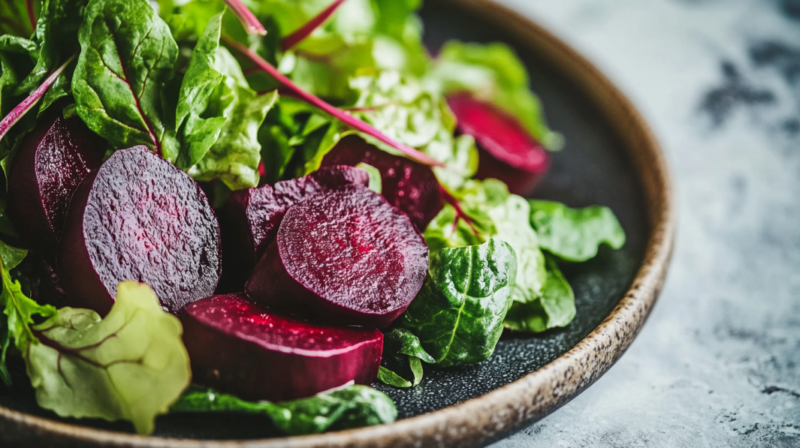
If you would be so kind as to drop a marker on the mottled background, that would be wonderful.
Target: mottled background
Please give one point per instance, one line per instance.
(718, 363)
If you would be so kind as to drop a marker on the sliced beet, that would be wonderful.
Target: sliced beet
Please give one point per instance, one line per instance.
(251, 217)
(507, 150)
(346, 257)
(238, 347)
(51, 163)
(139, 218)
(408, 185)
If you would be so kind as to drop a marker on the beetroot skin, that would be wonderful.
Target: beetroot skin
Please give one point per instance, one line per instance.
(51, 163)
(347, 258)
(139, 218)
(408, 185)
(243, 349)
(251, 217)
(507, 150)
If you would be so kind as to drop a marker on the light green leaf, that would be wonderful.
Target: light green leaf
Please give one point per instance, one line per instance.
(575, 234)
(375, 181)
(555, 308)
(458, 315)
(387, 376)
(351, 407)
(131, 365)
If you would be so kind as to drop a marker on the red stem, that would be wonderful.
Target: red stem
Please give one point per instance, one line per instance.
(22, 108)
(249, 21)
(31, 14)
(348, 119)
(460, 214)
(306, 30)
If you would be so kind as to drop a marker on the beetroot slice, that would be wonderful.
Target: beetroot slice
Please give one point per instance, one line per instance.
(241, 348)
(347, 258)
(408, 185)
(507, 150)
(51, 163)
(139, 218)
(251, 217)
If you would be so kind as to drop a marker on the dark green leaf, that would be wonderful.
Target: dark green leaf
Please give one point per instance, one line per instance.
(15, 18)
(350, 407)
(458, 315)
(555, 308)
(127, 55)
(575, 234)
(403, 348)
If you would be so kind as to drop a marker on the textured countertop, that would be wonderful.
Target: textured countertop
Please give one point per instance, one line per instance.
(718, 362)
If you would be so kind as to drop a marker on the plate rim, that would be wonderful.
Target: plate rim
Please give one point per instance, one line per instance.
(496, 413)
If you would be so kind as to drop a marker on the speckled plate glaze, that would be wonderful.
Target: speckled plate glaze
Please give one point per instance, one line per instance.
(611, 159)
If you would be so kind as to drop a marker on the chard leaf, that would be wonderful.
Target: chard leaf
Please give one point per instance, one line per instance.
(16, 18)
(458, 315)
(350, 407)
(127, 55)
(403, 349)
(555, 308)
(494, 73)
(575, 234)
(16, 56)
(131, 365)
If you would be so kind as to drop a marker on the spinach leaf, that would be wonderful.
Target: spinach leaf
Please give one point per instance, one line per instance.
(375, 181)
(127, 55)
(458, 315)
(575, 234)
(555, 308)
(403, 348)
(131, 365)
(351, 407)
(16, 18)
(495, 74)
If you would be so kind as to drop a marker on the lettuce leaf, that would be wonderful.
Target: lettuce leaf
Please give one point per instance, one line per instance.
(555, 308)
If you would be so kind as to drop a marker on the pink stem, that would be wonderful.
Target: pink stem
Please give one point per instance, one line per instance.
(249, 21)
(306, 30)
(348, 119)
(22, 108)
(460, 214)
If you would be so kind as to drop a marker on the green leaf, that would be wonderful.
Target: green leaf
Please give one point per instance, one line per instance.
(404, 348)
(15, 19)
(493, 73)
(575, 234)
(458, 315)
(555, 308)
(131, 365)
(127, 55)
(351, 407)
(375, 181)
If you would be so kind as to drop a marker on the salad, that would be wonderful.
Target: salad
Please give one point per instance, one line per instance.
(265, 206)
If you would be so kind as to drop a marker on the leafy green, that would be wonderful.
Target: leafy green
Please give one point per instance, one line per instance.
(493, 73)
(575, 234)
(458, 315)
(15, 19)
(555, 307)
(131, 365)
(350, 407)
(375, 180)
(16, 55)
(403, 348)
(127, 55)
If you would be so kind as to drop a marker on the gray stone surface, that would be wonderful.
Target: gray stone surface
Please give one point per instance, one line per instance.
(718, 363)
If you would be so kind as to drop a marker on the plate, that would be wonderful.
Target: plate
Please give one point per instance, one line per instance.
(610, 158)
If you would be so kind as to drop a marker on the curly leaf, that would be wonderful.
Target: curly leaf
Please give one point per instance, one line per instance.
(131, 365)
(555, 308)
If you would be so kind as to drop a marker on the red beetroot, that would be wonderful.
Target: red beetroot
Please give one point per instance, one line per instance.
(507, 150)
(347, 257)
(408, 185)
(241, 348)
(251, 217)
(139, 218)
(51, 163)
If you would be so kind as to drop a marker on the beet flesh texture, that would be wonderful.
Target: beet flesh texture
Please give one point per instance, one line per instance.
(408, 185)
(507, 150)
(240, 348)
(139, 218)
(52, 161)
(345, 258)
(250, 218)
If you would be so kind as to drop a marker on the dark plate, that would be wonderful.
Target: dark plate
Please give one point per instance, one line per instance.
(610, 159)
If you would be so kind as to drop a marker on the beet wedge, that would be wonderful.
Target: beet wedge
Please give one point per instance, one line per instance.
(51, 163)
(507, 150)
(250, 217)
(408, 185)
(345, 258)
(240, 348)
(139, 218)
